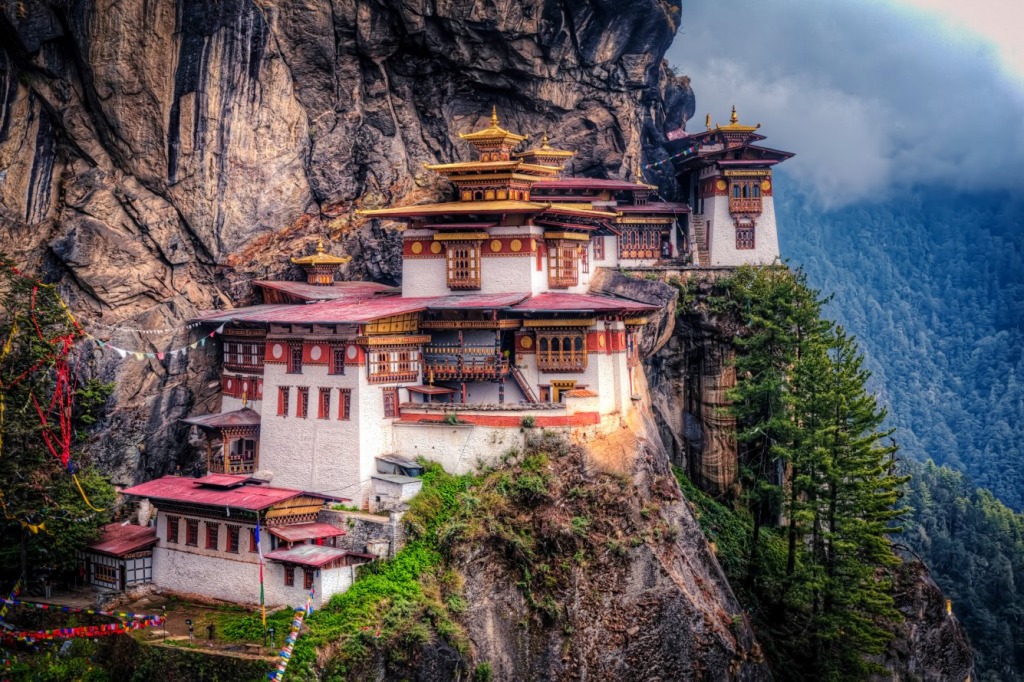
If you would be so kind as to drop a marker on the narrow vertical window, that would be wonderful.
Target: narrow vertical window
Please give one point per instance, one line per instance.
(390, 402)
(192, 532)
(307, 581)
(282, 400)
(253, 545)
(212, 531)
(337, 359)
(302, 403)
(289, 576)
(295, 358)
(172, 529)
(324, 411)
(345, 404)
(598, 248)
(233, 532)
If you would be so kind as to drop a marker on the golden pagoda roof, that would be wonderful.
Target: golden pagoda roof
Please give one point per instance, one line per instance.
(734, 124)
(546, 149)
(514, 166)
(494, 132)
(321, 257)
(470, 207)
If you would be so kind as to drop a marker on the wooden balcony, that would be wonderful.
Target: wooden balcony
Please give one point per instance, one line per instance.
(463, 363)
(394, 377)
(748, 205)
(568, 362)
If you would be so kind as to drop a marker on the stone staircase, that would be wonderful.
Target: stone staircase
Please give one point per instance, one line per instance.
(700, 240)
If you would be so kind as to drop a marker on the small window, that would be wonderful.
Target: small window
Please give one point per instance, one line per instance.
(345, 404)
(745, 237)
(598, 248)
(295, 358)
(172, 529)
(302, 405)
(308, 579)
(212, 531)
(282, 400)
(324, 406)
(390, 402)
(192, 533)
(233, 532)
(338, 359)
(289, 576)
(253, 545)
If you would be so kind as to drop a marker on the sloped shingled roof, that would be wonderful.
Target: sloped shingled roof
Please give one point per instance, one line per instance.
(200, 491)
(118, 539)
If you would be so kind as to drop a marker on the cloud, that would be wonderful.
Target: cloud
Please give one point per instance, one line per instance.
(874, 99)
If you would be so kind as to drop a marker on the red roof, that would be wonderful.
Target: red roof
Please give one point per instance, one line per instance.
(654, 207)
(315, 292)
(479, 301)
(341, 311)
(306, 531)
(243, 417)
(249, 496)
(307, 555)
(580, 303)
(118, 539)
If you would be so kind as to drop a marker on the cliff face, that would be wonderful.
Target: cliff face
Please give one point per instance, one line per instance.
(158, 155)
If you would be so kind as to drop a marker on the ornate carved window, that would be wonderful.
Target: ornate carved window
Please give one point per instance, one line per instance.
(744, 236)
(282, 400)
(745, 196)
(463, 264)
(302, 406)
(394, 364)
(338, 359)
(563, 264)
(295, 358)
(561, 351)
(598, 248)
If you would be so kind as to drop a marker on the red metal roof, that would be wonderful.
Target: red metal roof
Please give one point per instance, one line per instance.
(118, 539)
(248, 496)
(485, 301)
(314, 292)
(430, 390)
(307, 555)
(582, 303)
(341, 311)
(243, 417)
(305, 531)
(226, 480)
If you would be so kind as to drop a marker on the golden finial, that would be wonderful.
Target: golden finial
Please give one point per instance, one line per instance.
(544, 141)
(320, 245)
(734, 119)
(707, 121)
(639, 175)
(494, 115)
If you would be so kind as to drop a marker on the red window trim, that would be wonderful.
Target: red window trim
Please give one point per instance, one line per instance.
(345, 404)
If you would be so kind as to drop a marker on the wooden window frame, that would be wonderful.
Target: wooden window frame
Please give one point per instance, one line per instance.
(598, 248)
(338, 359)
(462, 264)
(173, 529)
(234, 540)
(308, 578)
(563, 264)
(392, 364)
(553, 356)
(324, 404)
(283, 393)
(294, 358)
(289, 576)
(212, 535)
(390, 397)
(253, 545)
(302, 402)
(746, 237)
(192, 532)
(344, 404)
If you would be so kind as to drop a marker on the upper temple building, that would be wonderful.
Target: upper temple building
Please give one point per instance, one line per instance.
(337, 387)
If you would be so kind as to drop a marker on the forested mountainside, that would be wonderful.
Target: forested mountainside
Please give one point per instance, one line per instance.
(932, 285)
(974, 545)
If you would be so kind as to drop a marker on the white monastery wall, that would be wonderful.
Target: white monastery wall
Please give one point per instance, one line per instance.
(230, 404)
(424, 277)
(723, 234)
(506, 274)
(457, 448)
(330, 582)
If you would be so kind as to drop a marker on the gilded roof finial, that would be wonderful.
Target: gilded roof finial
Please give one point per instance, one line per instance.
(639, 175)
(320, 245)
(544, 142)
(734, 118)
(494, 115)
(707, 121)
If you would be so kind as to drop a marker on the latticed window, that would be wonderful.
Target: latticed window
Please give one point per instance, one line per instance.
(302, 405)
(324, 411)
(282, 400)
(563, 264)
(172, 529)
(345, 404)
(390, 402)
(463, 265)
(745, 237)
(212, 531)
(192, 532)
(307, 581)
(233, 532)
(394, 364)
(598, 248)
(337, 359)
(562, 351)
(295, 358)
(289, 576)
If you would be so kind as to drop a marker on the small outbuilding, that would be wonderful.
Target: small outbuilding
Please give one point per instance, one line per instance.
(122, 557)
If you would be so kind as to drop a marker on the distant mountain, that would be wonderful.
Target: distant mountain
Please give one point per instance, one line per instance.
(932, 285)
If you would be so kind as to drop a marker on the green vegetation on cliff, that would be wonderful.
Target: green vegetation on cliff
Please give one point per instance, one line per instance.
(813, 458)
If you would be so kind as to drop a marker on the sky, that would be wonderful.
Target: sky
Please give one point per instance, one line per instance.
(875, 97)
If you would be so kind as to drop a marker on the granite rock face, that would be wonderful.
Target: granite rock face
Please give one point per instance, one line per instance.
(156, 156)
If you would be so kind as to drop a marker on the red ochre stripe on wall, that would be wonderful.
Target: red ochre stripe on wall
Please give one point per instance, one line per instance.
(540, 421)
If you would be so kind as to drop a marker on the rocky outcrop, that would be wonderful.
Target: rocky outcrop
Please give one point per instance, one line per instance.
(159, 155)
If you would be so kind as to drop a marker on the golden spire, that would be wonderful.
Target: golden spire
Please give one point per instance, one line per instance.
(544, 142)
(494, 115)
(321, 257)
(707, 121)
(734, 119)
(320, 245)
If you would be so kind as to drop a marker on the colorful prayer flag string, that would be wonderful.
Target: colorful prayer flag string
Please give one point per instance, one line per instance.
(126, 353)
(289, 641)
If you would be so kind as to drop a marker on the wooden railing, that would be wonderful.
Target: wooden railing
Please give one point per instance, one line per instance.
(748, 205)
(555, 362)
